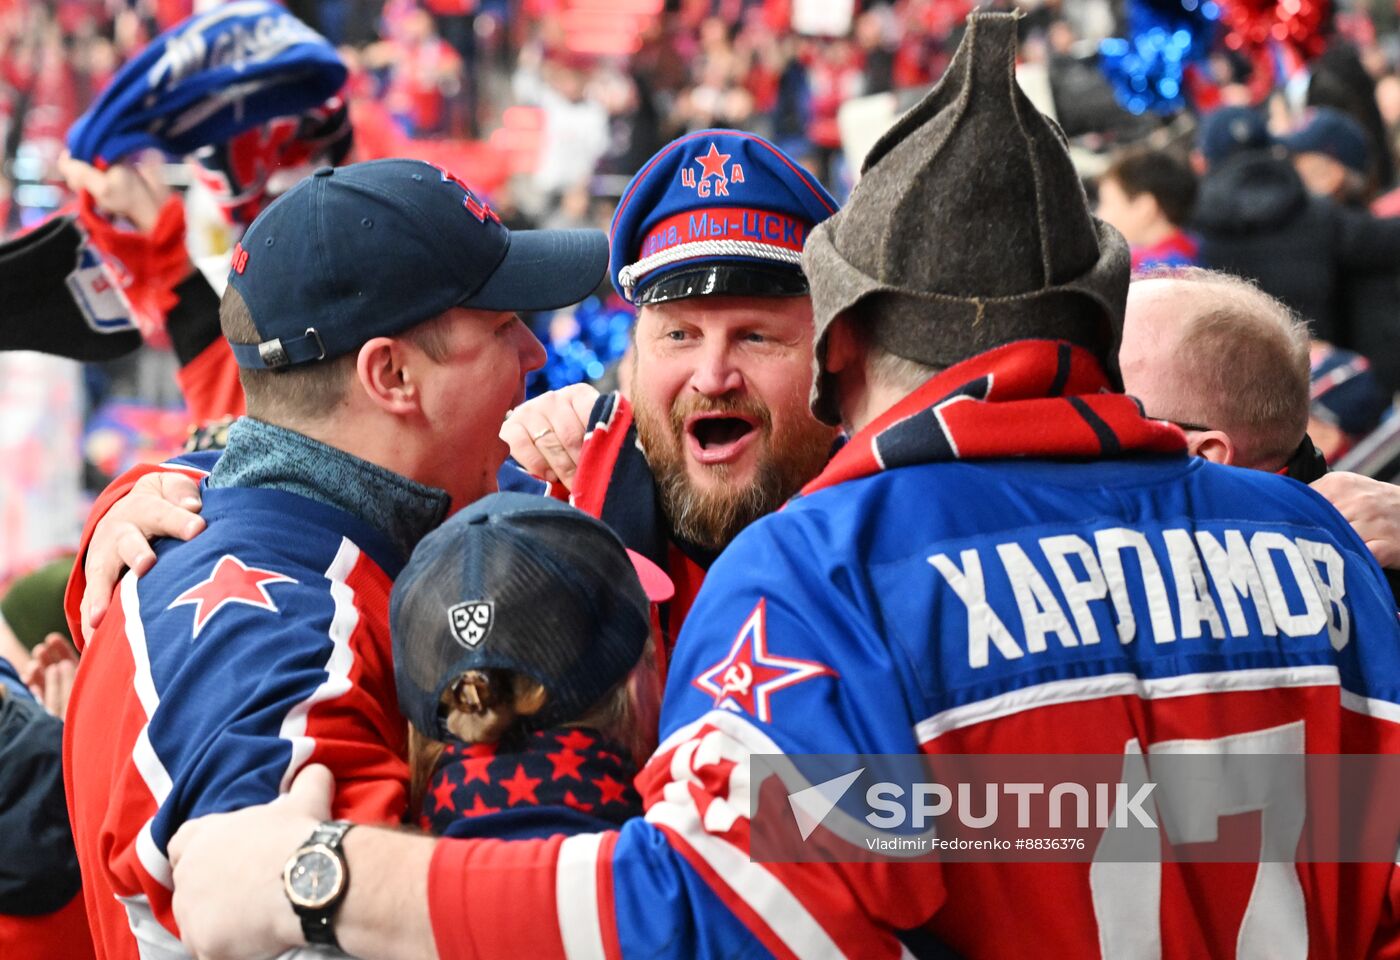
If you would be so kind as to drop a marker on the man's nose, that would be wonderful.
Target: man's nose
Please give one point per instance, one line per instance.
(532, 355)
(716, 373)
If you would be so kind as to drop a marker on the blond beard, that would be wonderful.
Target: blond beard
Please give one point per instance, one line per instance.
(712, 517)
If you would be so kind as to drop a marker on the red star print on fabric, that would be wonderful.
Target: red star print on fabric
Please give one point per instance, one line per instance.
(712, 163)
(575, 740)
(746, 679)
(232, 581)
(566, 764)
(521, 788)
(442, 795)
(572, 801)
(476, 768)
(479, 808)
(612, 791)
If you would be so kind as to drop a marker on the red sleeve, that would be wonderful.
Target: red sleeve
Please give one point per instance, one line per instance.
(511, 882)
(77, 580)
(63, 933)
(210, 384)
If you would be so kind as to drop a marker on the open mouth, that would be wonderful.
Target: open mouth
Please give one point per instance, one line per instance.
(718, 438)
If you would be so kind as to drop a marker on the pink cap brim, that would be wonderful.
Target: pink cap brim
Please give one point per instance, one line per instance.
(657, 585)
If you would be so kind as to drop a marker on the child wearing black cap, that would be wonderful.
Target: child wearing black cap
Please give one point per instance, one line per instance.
(520, 632)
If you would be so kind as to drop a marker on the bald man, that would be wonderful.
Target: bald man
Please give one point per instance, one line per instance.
(1222, 360)
(1228, 364)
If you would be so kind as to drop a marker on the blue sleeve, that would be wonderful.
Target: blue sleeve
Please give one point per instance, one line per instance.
(38, 865)
(512, 476)
(778, 656)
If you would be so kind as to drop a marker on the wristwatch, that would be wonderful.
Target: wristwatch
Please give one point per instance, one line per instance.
(315, 880)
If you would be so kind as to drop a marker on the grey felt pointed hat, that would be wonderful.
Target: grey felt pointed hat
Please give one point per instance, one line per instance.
(969, 228)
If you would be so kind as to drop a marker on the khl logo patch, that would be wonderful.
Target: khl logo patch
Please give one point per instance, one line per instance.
(470, 621)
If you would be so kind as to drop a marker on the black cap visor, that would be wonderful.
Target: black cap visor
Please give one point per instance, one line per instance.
(544, 270)
(725, 279)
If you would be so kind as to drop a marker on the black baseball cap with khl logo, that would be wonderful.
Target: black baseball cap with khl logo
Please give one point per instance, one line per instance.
(526, 584)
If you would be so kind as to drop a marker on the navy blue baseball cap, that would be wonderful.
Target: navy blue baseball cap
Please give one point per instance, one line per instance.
(1345, 392)
(207, 79)
(1230, 130)
(715, 212)
(1335, 134)
(527, 584)
(371, 249)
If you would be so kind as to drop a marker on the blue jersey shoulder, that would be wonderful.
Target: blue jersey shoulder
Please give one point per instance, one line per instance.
(997, 575)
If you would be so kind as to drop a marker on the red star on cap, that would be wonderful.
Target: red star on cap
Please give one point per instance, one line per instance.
(521, 787)
(566, 764)
(442, 795)
(749, 675)
(572, 801)
(712, 163)
(232, 581)
(611, 790)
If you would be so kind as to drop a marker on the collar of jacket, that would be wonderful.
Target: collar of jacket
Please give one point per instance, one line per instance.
(263, 455)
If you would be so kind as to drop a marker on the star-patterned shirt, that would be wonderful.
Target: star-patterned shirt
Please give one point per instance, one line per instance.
(561, 780)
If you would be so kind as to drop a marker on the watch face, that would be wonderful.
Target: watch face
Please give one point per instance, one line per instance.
(314, 878)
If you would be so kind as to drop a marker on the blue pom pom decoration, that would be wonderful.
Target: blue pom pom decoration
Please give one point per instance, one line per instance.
(596, 338)
(1147, 68)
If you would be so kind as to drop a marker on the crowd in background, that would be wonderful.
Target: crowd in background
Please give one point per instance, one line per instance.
(549, 119)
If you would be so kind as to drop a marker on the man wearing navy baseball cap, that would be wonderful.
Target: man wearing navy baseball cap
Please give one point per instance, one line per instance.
(715, 430)
(372, 311)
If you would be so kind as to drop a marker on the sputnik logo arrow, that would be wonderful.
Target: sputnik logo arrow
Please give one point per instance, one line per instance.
(811, 805)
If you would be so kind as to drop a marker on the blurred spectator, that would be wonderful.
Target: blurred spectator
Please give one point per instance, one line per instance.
(32, 605)
(1339, 80)
(424, 71)
(41, 404)
(877, 57)
(575, 127)
(1332, 156)
(836, 76)
(41, 905)
(1348, 402)
(1255, 219)
(1148, 195)
(1330, 153)
(456, 23)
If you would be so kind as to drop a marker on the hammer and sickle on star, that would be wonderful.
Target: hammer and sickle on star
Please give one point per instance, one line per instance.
(738, 678)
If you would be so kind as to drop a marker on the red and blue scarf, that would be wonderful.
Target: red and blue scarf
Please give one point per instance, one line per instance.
(1033, 398)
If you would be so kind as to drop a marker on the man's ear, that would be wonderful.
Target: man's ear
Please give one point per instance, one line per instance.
(381, 370)
(844, 345)
(1212, 445)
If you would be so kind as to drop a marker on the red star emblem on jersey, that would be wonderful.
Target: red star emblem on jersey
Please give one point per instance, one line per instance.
(746, 679)
(232, 581)
(712, 163)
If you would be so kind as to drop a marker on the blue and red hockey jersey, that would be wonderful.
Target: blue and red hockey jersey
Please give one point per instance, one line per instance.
(1028, 607)
(258, 647)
